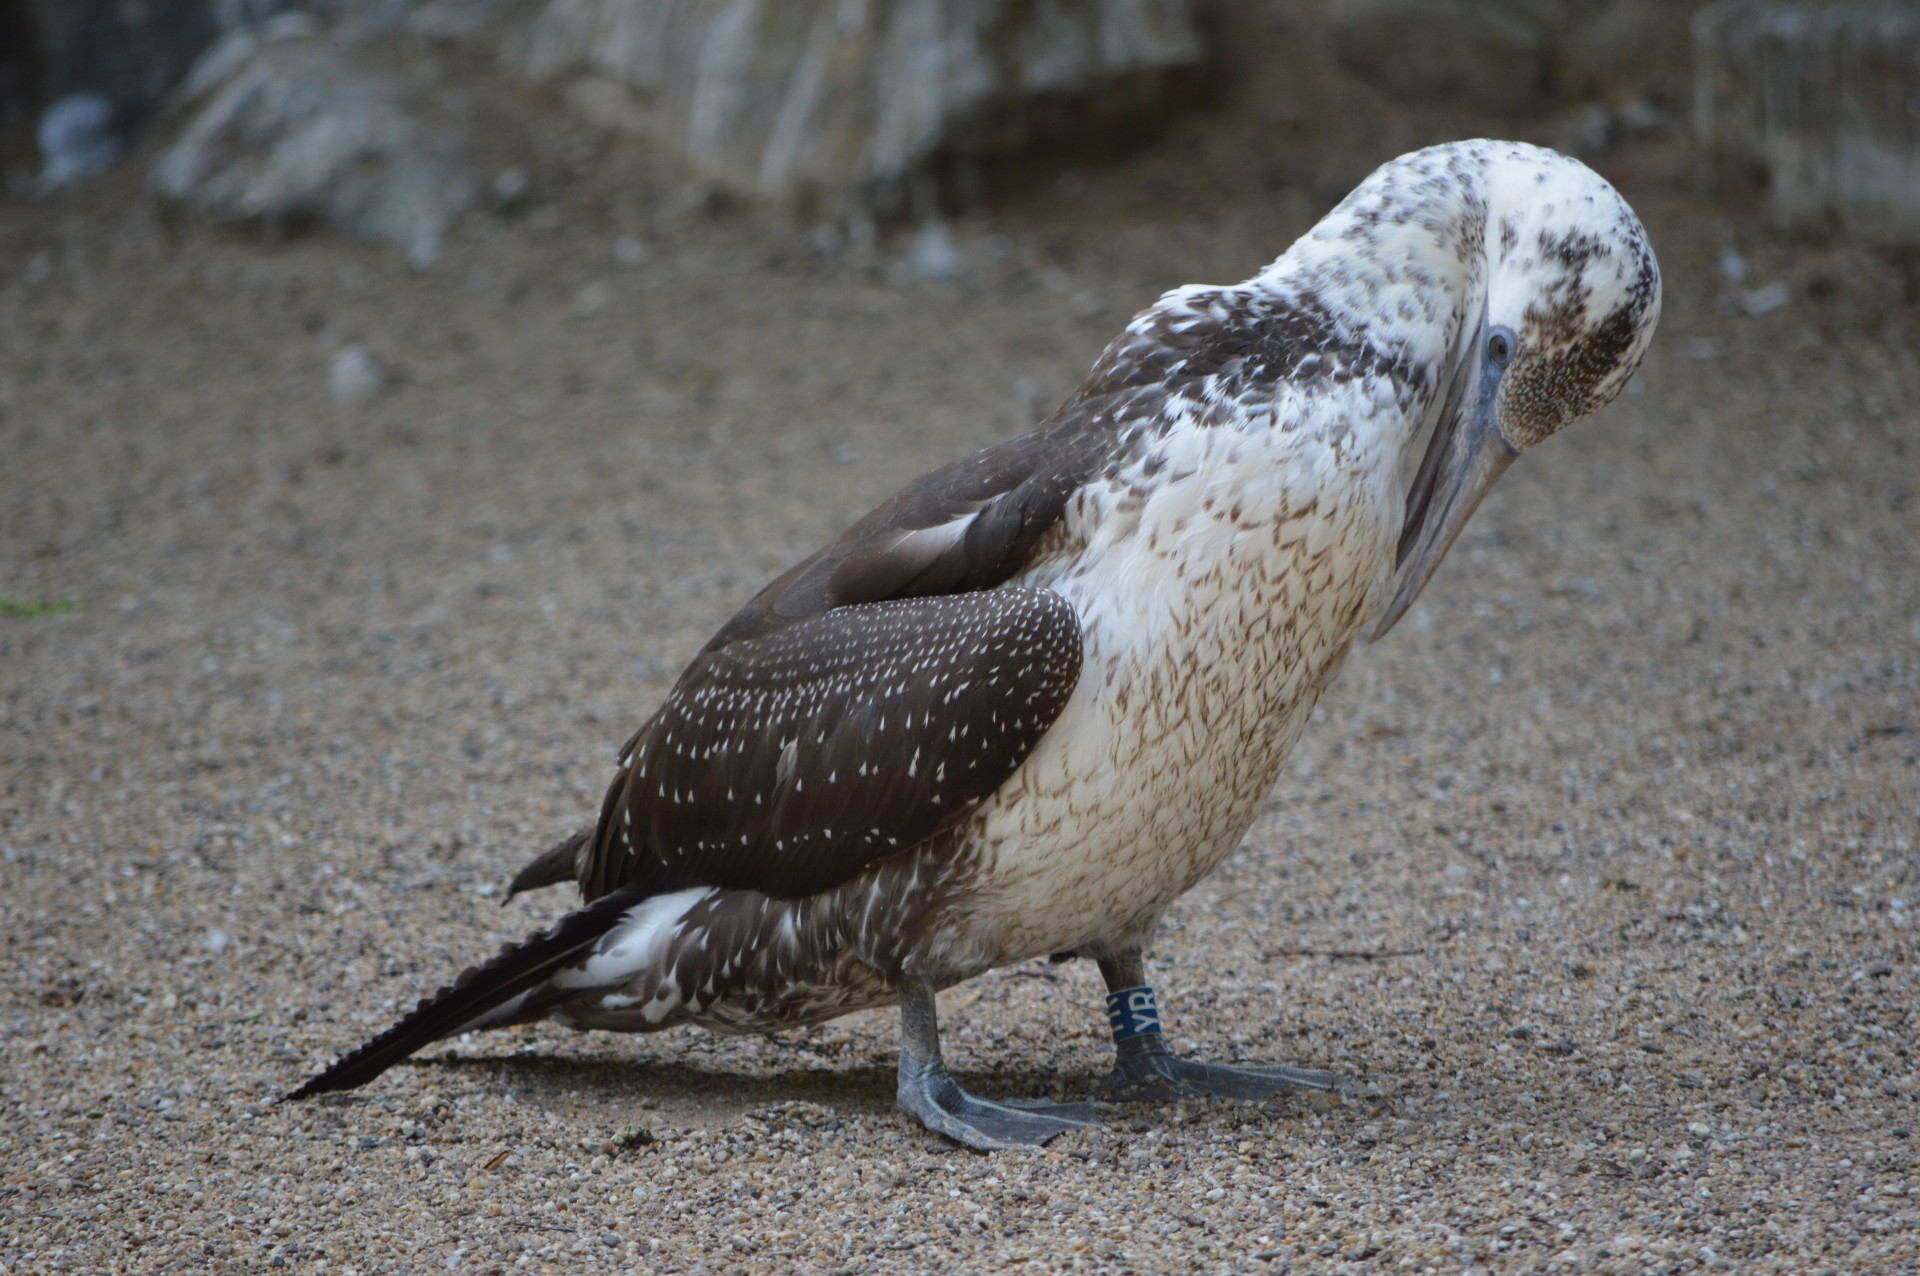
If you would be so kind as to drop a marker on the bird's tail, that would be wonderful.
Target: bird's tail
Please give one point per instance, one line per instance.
(481, 996)
(558, 863)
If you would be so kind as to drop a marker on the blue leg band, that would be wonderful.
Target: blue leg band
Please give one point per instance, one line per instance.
(1132, 1012)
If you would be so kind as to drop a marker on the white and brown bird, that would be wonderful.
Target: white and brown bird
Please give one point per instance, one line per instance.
(1026, 703)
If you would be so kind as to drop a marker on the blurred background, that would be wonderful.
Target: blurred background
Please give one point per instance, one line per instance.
(392, 120)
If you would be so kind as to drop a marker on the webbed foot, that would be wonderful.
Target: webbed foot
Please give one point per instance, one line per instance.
(1145, 1071)
(930, 1093)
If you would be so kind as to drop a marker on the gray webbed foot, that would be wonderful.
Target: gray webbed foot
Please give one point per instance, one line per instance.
(1145, 1071)
(930, 1093)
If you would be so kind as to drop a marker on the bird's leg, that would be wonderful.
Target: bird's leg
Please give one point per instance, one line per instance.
(929, 1092)
(1146, 1071)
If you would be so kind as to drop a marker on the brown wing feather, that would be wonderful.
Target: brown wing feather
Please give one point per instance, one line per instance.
(701, 798)
(789, 762)
(968, 525)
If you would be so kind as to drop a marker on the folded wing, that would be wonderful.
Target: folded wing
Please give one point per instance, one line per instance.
(789, 762)
(879, 689)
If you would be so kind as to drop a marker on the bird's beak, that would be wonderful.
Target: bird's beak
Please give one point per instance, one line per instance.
(1465, 458)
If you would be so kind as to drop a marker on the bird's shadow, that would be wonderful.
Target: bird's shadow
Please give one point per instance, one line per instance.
(862, 1087)
(665, 1079)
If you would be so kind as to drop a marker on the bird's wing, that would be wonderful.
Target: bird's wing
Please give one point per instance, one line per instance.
(789, 762)
(873, 693)
(965, 526)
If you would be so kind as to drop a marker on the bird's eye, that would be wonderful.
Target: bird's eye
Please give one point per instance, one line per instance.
(1499, 347)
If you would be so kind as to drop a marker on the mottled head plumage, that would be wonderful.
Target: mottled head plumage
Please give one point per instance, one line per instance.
(1512, 283)
(1573, 277)
(1509, 236)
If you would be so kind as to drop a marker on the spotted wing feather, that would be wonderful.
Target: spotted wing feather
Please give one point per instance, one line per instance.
(852, 636)
(789, 762)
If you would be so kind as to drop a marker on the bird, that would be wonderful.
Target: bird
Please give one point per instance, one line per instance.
(1031, 699)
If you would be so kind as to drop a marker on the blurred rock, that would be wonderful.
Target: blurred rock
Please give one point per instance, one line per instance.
(285, 128)
(850, 101)
(133, 51)
(512, 188)
(1642, 117)
(1766, 299)
(77, 138)
(1510, 55)
(592, 298)
(1593, 129)
(128, 54)
(1496, 55)
(933, 254)
(446, 21)
(1820, 102)
(1620, 49)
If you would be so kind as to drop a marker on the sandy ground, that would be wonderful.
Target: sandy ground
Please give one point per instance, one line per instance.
(1637, 781)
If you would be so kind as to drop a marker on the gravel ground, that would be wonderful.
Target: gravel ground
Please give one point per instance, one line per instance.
(1636, 784)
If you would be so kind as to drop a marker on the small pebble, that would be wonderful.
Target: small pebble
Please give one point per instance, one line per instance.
(77, 138)
(356, 377)
(591, 299)
(512, 187)
(1766, 299)
(934, 254)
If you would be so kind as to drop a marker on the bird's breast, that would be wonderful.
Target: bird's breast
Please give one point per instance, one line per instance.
(1217, 598)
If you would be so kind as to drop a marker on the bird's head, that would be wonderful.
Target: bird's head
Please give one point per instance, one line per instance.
(1569, 296)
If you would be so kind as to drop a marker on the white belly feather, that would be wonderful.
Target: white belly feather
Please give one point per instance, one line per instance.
(1223, 603)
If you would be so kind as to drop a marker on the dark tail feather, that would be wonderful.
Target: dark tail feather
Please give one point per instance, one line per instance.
(478, 989)
(558, 863)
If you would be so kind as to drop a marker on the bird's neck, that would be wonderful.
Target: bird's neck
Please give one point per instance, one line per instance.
(1406, 287)
(1409, 290)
